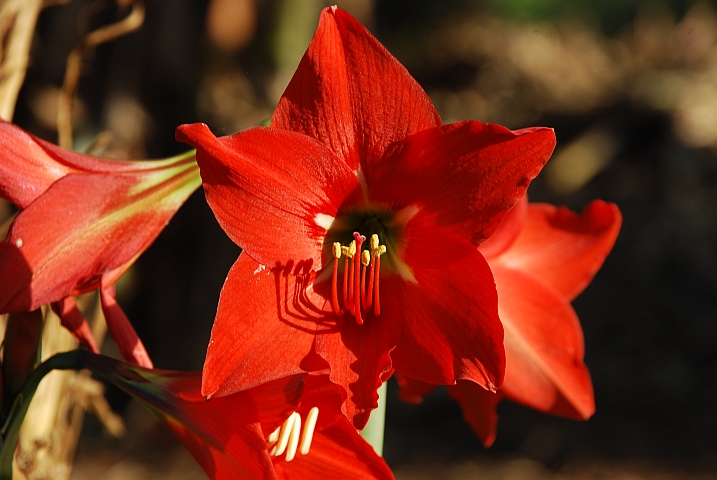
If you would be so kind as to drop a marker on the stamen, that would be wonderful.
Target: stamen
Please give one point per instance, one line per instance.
(358, 241)
(359, 293)
(380, 250)
(308, 433)
(365, 260)
(351, 286)
(347, 274)
(336, 250)
(377, 300)
(273, 437)
(294, 437)
(373, 243)
(290, 436)
(369, 294)
(283, 441)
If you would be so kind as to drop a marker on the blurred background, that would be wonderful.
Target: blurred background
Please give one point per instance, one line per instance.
(630, 88)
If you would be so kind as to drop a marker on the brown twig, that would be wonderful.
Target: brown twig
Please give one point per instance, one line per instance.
(17, 21)
(74, 63)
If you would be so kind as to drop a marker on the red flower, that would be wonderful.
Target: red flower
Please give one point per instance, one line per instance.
(356, 153)
(230, 436)
(542, 257)
(83, 222)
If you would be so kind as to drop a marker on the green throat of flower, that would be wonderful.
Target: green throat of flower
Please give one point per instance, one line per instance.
(357, 263)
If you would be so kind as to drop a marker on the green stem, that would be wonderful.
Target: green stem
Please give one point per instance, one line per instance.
(373, 433)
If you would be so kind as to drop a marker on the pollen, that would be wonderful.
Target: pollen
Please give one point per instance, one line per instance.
(361, 271)
(290, 438)
(373, 243)
(336, 250)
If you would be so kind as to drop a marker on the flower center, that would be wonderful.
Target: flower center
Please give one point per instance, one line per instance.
(289, 437)
(359, 292)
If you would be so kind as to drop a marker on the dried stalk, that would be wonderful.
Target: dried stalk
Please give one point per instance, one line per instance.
(17, 24)
(74, 63)
(49, 435)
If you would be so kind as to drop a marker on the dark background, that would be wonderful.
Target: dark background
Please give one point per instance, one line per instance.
(631, 91)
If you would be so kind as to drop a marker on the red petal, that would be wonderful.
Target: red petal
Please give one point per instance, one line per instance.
(564, 249)
(276, 400)
(351, 94)
(507, 231)
(26, 169)
(121, 330)
(267, 186)
(467, 175)
(29, 165)
(72, 319)
(359, 357)
(227, 446)
(20, 350)
(544, 347)
(336, 452)
(223, 435)
(82, 227)
(412, 390)
(58, 244)
(450, 326)
(258, 333)
(429, 246)
(322, 393)
(478, 405)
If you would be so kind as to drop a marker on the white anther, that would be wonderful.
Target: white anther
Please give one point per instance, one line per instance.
(294, 436)
(273, 437)
(280, 447)
(290, 438)
(18, 242)
(308, 433)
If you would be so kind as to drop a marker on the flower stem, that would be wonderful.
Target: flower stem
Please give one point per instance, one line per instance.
(373, 433)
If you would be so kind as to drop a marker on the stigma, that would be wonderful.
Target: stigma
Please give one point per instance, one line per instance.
(290, 438)
(361, 273)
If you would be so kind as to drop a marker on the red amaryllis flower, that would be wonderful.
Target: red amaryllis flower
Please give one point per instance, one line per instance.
(359, 214)
(542, 257)
(83, 222)
(290, 428)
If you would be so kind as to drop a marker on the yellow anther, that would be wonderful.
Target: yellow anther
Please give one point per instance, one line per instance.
(373, 243)
(380, 250)
(336, 250)
(349, 251)
(365, 258)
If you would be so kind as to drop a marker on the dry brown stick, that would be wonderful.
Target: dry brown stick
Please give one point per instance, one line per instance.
(74, 63)
(18, 18)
